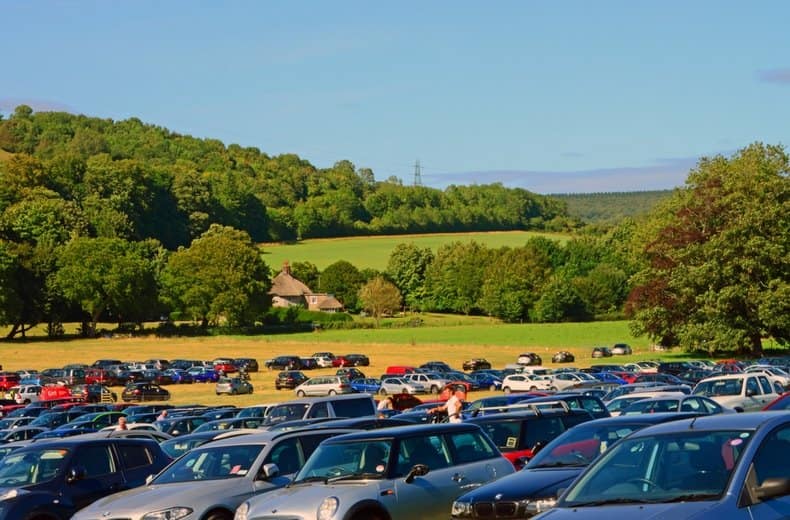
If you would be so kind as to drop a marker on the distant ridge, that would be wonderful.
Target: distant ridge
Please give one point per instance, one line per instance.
(610, 207)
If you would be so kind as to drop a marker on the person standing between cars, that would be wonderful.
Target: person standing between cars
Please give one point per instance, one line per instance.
(122, 423)
(453, 405)
(162, 416)
(385, 404)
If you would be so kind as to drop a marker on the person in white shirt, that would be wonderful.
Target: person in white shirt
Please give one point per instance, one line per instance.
(453, 405)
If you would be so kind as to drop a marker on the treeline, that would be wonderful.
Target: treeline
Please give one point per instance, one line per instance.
(610, 208)
(131, 180)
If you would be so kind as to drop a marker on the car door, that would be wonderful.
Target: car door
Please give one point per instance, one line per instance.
(429, 496)
(771, 460)
(95, 472)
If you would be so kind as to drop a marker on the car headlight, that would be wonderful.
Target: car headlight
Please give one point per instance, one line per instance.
(241, 511)
(540, 505)
(328, 508)
(173, 513)
(11, 493)
(461, 509)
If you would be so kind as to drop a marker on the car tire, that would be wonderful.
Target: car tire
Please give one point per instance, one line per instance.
(506, 390)
(553, 388)
(300, 393)
(233, 391)
(383, 391)
(219, 515)
(217, 393)
(492, 388)
(332, 392)
(434, 389)
(533, 388)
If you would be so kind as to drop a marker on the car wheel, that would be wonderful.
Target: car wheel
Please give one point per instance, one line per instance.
(383, 391)
(506, 389)
(234, 392)
(553, 388)
(434, 389)
(219, 515)
(300, 393)
(217, 393)
(332, 392)
(533, 388)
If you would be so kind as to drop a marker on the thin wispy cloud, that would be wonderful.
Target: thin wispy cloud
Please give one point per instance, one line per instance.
(781, 76)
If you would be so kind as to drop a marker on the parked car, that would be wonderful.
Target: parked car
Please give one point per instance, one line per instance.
(215, 478)
(308, 363)
(350, 372)
(368, 385)
(233, 386)
(179, 376)
(780, 403)
(93, 421)
(743, 392)
(563, 356)
(358, 360)
(352, 405)
(436, 366)
(476, 364)
(600, 352)
(284, 363)
(529, 359)
(247, 363)
(433, 382)
(144, 392)
(230, 423)
(534, 488)
(323, 385)
(101, 376)
(94, 393)
(526, 383)
(720, 466)
(323, 361)
(180, 425)
(54, 479)
(681, 403)
(8, 380)
(622, 349)
(201, 374)
(400, 385)
(566, 380)
(289, 379)
(575, 401)
(487, 380)
(424, 468)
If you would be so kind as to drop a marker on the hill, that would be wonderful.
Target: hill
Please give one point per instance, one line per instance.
(608, 208)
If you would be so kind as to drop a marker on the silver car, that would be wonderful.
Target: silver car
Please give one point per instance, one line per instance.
(408, 472)
(211, 480)
(400, 385)
(324, 385)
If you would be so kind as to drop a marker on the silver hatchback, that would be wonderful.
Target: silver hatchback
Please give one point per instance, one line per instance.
(324, 385)
(408, 472)
(214, 478)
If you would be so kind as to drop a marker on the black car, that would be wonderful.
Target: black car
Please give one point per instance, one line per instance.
(476, 364)
(94, 393)
(534, 488)
(358, 360)
(284, 363)
(599, 352)
(437, 366)
(249, 364)
(350, 372)
(575, 401)
(56, 478)
(144, 392)
(289, 379)
(563, 356)
(674, 367)
(308, 363)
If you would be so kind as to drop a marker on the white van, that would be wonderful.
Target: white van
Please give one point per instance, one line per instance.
(743, 392)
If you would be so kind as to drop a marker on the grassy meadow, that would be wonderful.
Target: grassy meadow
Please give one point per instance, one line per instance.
(500, 344)
(374, 251)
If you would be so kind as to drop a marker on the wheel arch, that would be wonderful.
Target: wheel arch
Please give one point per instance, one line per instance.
(362, 510)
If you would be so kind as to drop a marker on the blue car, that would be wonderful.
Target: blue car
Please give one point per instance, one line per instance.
(368, 385)
(179, 377)
(733, 466)
(203, 374)
(608, 377)
(487, 380)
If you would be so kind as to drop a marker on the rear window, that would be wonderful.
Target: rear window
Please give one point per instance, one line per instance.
(354, 407)
(134, 455)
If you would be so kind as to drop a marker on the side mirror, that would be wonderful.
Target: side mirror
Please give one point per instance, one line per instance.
(750, 392)
(149, 479)
(772, 488)
(418, 470)
(268, 471)
(537, 447)
(76, 473)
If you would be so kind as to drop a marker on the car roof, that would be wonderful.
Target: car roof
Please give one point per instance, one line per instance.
(405, 431)
(264, 436)
(647, 418)
(527, 414)
(740, 421)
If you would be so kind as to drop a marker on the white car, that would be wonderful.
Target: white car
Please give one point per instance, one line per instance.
(618, 404)
(26, 394)
(400, 385)
(526, 383)
(774, 374)
(743, 392)
(430, 380)
(323, 361)
(646, 367)
(324, 385)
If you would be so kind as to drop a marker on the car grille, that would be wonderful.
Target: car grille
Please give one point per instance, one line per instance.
(496, 509)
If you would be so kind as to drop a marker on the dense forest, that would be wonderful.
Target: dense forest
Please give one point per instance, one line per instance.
(610, 208)
(127, 222)
(137, 181)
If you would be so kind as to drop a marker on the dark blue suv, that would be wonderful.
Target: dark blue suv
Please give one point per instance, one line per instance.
(51, 480)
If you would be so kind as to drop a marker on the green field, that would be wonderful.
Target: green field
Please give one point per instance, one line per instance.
(374, 251)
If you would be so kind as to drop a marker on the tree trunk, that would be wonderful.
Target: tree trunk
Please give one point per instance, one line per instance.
(13, 332)
(757, 346)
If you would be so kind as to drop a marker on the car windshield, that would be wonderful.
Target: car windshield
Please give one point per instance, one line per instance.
(347, 461)
(579, 446)
(287, 412)
(31, 467)
(211, 463)
(177, 447)
(719, 387)
(688, 465)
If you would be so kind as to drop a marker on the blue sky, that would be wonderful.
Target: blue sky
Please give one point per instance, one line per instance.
(551, 96)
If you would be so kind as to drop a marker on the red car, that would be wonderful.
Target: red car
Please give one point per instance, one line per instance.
(101, 376)
(224, 365)
(341, 361)
(780, 403)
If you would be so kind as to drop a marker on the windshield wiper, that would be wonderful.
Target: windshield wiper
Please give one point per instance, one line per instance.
(307, 480)
(560, 464)
(690, 497)
(353, 476)
(595, 503)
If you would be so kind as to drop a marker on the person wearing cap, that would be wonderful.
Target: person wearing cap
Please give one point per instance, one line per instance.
(453, 405)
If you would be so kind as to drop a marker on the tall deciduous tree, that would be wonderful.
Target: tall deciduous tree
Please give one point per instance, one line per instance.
(454, 279)
(343, 280)
(719, 257)
(406, 267)
(379, 297)
(221, 277)
(108, 274)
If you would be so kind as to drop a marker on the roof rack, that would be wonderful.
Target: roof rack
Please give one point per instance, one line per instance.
(535, 407)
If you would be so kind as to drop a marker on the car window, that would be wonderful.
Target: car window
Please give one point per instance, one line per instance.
(286, 455)
(96, 459)
(711, 406)
(318, 409)
(692, 404)
(353, 407)
(773, 456)
(134, 455)
(470, 447)
(766, 386)
(543, 430)
(429, 450)
(752, 388)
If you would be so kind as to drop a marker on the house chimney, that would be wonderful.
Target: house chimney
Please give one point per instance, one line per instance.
(286, 267)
